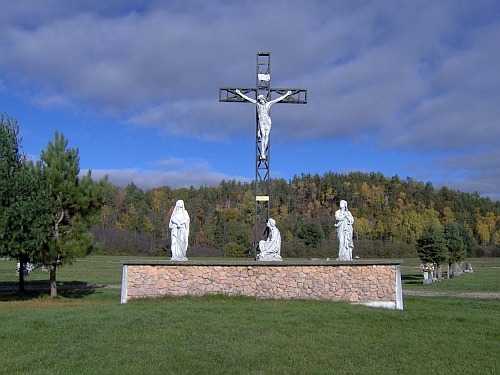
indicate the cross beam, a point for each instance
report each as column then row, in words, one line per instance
column 262, row 168
column 228, row 94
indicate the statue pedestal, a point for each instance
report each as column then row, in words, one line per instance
column 374, row 283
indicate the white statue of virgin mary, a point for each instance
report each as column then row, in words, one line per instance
column 179, row 231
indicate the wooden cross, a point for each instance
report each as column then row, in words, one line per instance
column 263, row 101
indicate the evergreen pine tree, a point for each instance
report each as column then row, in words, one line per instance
column 311, row 233
column 76, row 204
column 431, row 245
column 468, row 240
column 25, row 221
column 454, row 242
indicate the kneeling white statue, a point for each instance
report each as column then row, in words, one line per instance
column 270, row 249
column 179, row 234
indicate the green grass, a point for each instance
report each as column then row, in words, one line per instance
column 223, row 335
column 486, row 277
column 87, row 331
column 103, row 270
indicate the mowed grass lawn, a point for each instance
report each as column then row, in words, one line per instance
column 87, row 331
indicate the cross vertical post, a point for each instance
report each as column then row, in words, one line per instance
column 262, row 168
column 262, row 144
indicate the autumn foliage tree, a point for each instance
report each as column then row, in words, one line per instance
column 390, row 215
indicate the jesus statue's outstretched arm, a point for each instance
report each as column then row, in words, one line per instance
column 280, row 98
column 246, row 97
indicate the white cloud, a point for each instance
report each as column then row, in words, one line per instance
column 148, row 179
column 399, row 70
column 420, row 76
column 175, row 173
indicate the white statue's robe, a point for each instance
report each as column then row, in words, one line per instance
column 271, row 248
column 344, row 233
column 179, row 232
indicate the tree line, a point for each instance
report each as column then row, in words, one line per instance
column 390, row 216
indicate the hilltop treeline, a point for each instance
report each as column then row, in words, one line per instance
column 389, row 213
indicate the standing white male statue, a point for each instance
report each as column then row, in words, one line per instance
column 179, row 231
column 344, row 231
column 270, row 249
column 263, row 112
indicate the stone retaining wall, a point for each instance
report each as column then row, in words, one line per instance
column 375, row 283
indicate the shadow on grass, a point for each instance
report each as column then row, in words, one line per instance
column 41, row 289
column 412, row 279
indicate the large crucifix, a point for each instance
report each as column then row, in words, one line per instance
column 263, row 101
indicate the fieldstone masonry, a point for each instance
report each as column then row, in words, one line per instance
column 374, row 283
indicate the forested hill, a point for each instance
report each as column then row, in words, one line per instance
column 389, row 213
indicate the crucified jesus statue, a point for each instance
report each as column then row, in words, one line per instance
column 263, row 112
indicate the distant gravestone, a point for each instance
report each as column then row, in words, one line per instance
column 427, row 278
column 428, row 272
column 458, row 269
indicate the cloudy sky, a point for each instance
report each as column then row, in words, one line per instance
column 399, row 87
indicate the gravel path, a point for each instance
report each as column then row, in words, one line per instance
column 425, row 293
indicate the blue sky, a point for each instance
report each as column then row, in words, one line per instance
column 409, row 88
